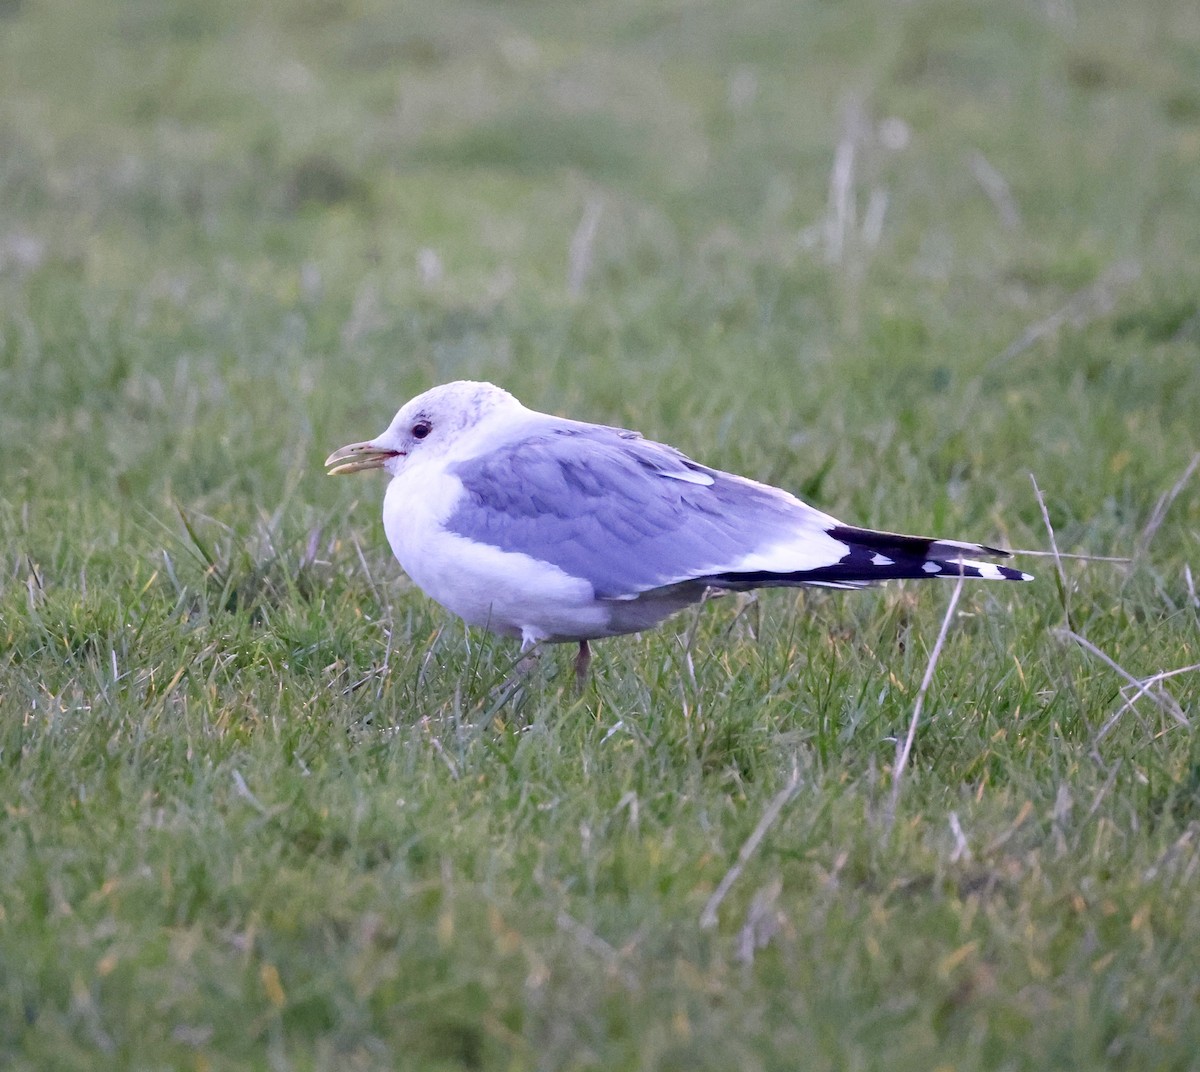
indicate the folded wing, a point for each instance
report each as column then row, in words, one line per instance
column 630, row 515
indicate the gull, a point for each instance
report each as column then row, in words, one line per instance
column 548, row 529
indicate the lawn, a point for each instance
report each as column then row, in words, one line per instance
column 933, row 265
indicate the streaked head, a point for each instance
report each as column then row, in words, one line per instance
column 430, row 423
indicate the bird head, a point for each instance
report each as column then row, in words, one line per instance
column 430, row 424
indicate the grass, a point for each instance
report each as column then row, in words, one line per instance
column 263, row 808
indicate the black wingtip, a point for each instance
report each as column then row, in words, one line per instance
column 873, row 557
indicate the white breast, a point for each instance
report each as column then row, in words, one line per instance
column 510, row 593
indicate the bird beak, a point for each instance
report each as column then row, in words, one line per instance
column 356, row 457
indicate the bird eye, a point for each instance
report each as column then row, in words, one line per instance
column 421, row 429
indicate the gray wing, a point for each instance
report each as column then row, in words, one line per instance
column 624, row 513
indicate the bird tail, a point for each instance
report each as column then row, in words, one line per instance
column 872, row 557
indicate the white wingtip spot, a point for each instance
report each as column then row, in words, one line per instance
column 931, row 567
column 882, row 560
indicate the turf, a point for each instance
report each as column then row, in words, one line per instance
column 268, row 807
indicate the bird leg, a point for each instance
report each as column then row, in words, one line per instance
column 582, row 661
column 526, row 664
column 530, row 654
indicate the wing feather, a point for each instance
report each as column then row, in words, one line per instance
column 625, row 513
column 629, row 515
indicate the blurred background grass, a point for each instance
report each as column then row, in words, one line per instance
column 262, row 810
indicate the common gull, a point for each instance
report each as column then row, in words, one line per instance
column 549, row 529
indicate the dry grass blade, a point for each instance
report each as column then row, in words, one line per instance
column 243, row 791
column 997, row 189
column 904, row 747
column 841, row 216
column 1159, row 513
column 839, row 221
column 1081, row 308
column 1142, row 688
column 1165, row 702
column 1162, row 675
column 708, row 918
column 583, row 241
column 591, row 941
column 1118, row 559
column 1063, row 590
column 962, row 848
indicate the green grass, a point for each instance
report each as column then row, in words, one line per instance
column 262, row 806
